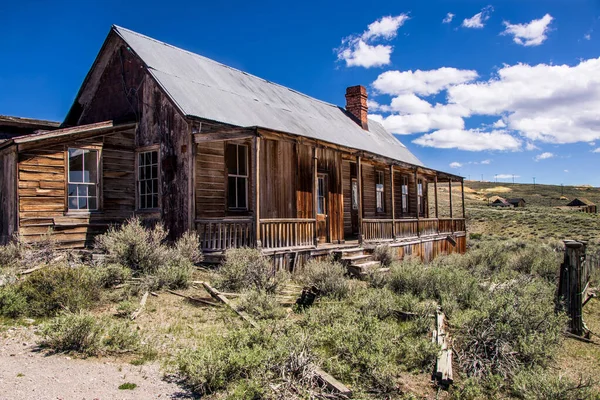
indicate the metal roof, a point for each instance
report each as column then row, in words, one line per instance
column 204, row 88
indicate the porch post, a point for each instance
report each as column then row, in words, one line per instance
column 257, row 191
column 360, row 200
column 451, row 217
column 462, row 191
column 393, row 202
column 435, row 195
column 315, row 193
column 418, row 202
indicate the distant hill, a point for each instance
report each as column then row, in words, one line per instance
column 538, row 195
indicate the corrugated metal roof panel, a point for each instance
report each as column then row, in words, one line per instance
column 207, row 89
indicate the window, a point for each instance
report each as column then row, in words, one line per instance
column 321, row 203
column 379, row 192
column 236, row 158
column 83, row 179
column 148, row 180
column 420, row 201
column 354, row 194
column 404, row 195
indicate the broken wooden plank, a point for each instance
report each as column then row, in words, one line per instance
column 193, row 299
column 135, row 314
column 443, row 370
column 214, row 293
column 332, row 383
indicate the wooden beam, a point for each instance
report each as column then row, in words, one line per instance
column 257, row 238
column 462, row 192
column 214, row 293
column 360, row 199
column 393, row 202
column 417, row 195
column 436, row 197
column 229, row 134
column 450, row 194
column 315, row 193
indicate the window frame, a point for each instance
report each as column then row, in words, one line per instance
column 322, row 178
column 404, row 195
column 138, row 151
column 98, row 183
column 420, row 197
column 380, row 191
column 237, row 176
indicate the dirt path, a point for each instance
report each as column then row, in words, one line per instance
column 26, row 373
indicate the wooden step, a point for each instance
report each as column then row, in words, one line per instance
column 357, row 259
column 354, row 251
column 363, row 269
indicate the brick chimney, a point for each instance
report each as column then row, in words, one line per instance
column 356, row 104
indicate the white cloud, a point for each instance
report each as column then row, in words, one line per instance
column 477, row 20
column 412, row 123
column 361, row 51
column 596, row 151
column 506, row 176
column 566, row 170
column 486, row 162
column 530, row 146
column 448, row 18
column 470, row 140
column 455, row 164
column 362, row 54
column 531, row 34
column 592, row 143
column 544, row 156
column 549, row 103
column 587, row 36
column 422, row 82
column 386, row 27
column 499, row 124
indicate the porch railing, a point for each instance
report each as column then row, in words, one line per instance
column 381, row 229
column 287, row 232
column 222, row 233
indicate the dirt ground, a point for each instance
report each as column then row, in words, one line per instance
column 28, row 373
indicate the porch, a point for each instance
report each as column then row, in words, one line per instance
column 256, row 188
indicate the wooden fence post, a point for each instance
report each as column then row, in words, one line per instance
column 572, row 283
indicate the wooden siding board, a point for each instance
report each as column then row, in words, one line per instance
column 8, row 195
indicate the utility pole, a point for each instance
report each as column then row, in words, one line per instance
column 513, row 179
column 481, row 177
column 496, row 178
column 534, row 182
column 562, row 190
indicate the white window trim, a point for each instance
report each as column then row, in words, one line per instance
column 246, row 177
column 98, row 182
column 138, row 151
column 380, row 190
column 404, row 190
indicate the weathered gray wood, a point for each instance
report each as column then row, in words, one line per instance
column 193, row 299
column 444, row 361
column 214, row 293
column 136, row 313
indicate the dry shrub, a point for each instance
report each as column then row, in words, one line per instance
column 21, row 254
column 327, row 276
column 145, row 252
column 60, row 287
column 385, row 255
column 261, row 305
column 533, row 384
column 13, row 303
column 248, row 269
column 89, row 335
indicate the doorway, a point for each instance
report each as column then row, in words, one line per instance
column 322, row 211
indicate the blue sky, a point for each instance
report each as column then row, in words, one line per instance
column 504, row 88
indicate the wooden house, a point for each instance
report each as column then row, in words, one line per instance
column 14, row 126
column 516, row 202
column 500, row 202
column 584, row 205
column 166, row 134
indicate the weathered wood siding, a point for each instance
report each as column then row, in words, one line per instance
column 369, row 179
column 8, row 191
column 304, row 182
column 330, row 161
column 347, row 192
column 42, row 190
column 278, row 162
column 210, row 180
column 427, row 250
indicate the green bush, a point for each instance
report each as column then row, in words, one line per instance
column 135, row 246
column 533, row 384
column 110, row 275
column 515, row 326
column 261, row 305
column 327, row 276
column 175, row 273
column 60, row 287
column 385, row 254
column 13, row 303
column 245, row 269
column 188, row 246
column 87, row 334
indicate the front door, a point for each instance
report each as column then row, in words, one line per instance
column 322, row 217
